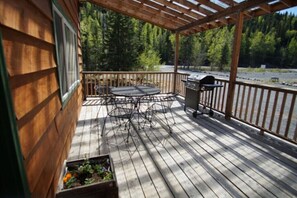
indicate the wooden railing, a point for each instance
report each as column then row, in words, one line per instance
column 270, row 109
column 163, row 80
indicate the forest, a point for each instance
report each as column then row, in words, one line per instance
column 114, row 42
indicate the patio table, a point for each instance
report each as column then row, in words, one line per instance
column 137, row 93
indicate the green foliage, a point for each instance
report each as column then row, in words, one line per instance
column 218, row 51
column 108, row 176
column 115, row 42
column 85, row 168
column 120, row 42
column 89, row 181
column 292, row 52
column 70, row 182
column 87, row 173
column 99, row 169
column 149, row 59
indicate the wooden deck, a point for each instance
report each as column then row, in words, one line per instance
column 203, row 157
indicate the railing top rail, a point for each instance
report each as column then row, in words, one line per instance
column 263, row 86
column 126, row 72
column 132, row 72
column 271, row 87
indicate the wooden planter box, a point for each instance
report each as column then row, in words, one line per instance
column 99, row 189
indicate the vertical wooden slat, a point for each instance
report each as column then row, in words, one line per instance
column 176, row 60
column 91, row 86
column 259, row 106
column 223, row 99
column 215, row 97
column 290, row 115
column 164, row 83
column 120, row 80
column 273, row 110
column 158, row 77
column 281, row 113
column 295, row 134
column 242, row 101
column 85, row 93
column 266, row 108
column 205, row 98
column 253, row 104
column 209, row 98
column 237, row 99
column 220, row 97
column 170, row 87
column 247, row 103
column 202, row 98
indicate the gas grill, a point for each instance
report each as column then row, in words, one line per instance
column 195, row 84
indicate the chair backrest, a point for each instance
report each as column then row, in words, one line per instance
column 102, row 90
column 118, row 106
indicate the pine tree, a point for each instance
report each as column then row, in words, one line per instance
column 121, row 52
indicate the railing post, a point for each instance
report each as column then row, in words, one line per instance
column 175, row 60
column 234, row 63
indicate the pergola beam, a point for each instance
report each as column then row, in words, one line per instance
column 237, row 8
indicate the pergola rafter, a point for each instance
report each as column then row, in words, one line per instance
column 192, row 16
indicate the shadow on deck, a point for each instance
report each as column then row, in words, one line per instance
column 203, row 157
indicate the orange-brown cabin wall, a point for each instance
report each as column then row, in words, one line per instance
column 45, row 128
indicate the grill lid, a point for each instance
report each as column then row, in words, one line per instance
column 202, row 79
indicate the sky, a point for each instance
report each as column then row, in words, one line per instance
column 290, row 10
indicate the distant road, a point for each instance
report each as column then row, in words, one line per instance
column 286, row 79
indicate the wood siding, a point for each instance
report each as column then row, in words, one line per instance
column 45, row 127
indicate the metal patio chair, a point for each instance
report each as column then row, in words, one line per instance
column 120, row 110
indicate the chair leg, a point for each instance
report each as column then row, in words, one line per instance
column 172, row 116
column 103, row 126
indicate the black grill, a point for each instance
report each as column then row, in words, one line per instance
column 194, row 86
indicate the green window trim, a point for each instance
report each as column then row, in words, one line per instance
column 66, row 54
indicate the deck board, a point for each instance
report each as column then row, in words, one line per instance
column 203, row 157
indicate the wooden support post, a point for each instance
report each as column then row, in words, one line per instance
column 234, row 63
column 175, row 60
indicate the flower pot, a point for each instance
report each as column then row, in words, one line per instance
column 84, row 171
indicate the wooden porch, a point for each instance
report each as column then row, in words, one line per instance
column 203, row 157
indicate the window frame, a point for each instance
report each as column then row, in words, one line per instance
column 66, row 89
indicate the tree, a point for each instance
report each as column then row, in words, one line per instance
column 257, row 47
column 199, row 50
column 186, row 50
column 149, row 60
column 114, row 42
column 218, row 52
column 292, row 53
column 121, row 51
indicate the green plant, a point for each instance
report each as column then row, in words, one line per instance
column 87, row 172
column 108, row 176
column 89, row 180
column 70, row 182
column 85, row 168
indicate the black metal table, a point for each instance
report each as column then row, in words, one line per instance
column 135, row 91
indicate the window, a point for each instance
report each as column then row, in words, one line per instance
column 66, row 49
